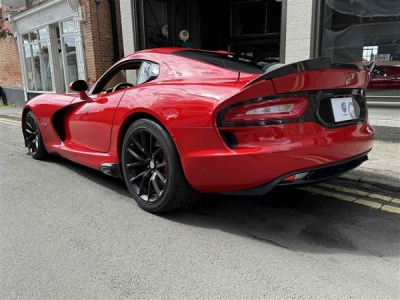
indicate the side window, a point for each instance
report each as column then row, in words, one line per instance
column 119, row 77
column 122, row 76
column 148, row 71
column 131, row 75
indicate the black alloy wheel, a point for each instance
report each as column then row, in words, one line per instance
column 33, row 137
column 152, row 169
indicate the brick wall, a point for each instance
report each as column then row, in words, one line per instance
column 96, row 36
column 10, row 68
column 298, row 30
column 33, row 3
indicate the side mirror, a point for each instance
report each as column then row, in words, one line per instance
column 80, row 86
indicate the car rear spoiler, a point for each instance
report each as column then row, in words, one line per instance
column 320, row 63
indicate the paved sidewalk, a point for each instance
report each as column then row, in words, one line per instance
column 381, row 170
column 10, row 112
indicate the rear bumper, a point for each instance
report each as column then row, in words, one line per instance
column 314, row 176
column 268, row 154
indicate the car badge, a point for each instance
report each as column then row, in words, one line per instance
column 350, row 78
column 344, row 107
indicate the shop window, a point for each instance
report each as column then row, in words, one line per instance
column 161, row 21
column 356, row 30
column 364, row 31
column 50, row 52
column 157, row 23
column 37, row 61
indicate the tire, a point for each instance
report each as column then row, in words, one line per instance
column 152, row 169
column 33, row 137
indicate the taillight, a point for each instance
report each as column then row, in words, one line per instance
column 265, row 109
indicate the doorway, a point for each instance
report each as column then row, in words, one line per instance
column 250, row 27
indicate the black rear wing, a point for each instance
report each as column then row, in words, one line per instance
column 320, row 63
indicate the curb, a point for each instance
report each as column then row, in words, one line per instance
column 382, row 182
column 10, row 117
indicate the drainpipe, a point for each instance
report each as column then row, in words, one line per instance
column 114, row 30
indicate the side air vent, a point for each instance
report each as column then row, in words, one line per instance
column 111, row 170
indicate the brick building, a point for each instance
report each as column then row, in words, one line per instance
column 10, row 67
column 54, row 42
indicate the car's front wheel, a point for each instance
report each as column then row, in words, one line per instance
column 33, row 137
column 152, row 168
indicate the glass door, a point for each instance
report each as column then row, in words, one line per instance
column 68, row 52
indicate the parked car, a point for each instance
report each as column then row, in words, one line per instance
column 385, row 77
column 174, row 123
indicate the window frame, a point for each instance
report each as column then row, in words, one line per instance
column 38, row 44
column 101, row 84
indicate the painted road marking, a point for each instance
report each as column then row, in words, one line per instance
column 357, row 192
column 10, row 122
column 359, row 197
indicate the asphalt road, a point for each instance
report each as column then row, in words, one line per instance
column 69, row 232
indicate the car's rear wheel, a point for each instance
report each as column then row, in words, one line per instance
column 33, row 137
column 152, row 169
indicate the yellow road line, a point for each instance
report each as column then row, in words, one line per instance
column 357, row 192
column 392, row 209
column 369, row 203
column 10, row 122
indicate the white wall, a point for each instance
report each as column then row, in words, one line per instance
column 382, row 116
column 127, row 26
column 298, row 30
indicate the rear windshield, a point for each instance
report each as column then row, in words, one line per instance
column 238, row 63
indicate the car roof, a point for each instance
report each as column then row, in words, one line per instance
column 167, row 50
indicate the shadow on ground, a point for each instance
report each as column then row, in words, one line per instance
column 288, row 218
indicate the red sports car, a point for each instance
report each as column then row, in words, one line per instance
column 175, row 123
column 385, row 77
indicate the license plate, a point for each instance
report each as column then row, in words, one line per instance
column 343, row 109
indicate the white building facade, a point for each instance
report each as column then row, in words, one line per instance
column 50, row 46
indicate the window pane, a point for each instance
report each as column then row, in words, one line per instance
column 156, row 18
column 29, row 71
column 131, row 76
column 67, row 26
column 25, row 38
column 45, row 67
column 33, row 36
column 36, row 68
column 367, row 31
column 72, row 66
column 43, row 34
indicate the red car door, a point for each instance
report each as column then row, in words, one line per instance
column 89, row 123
